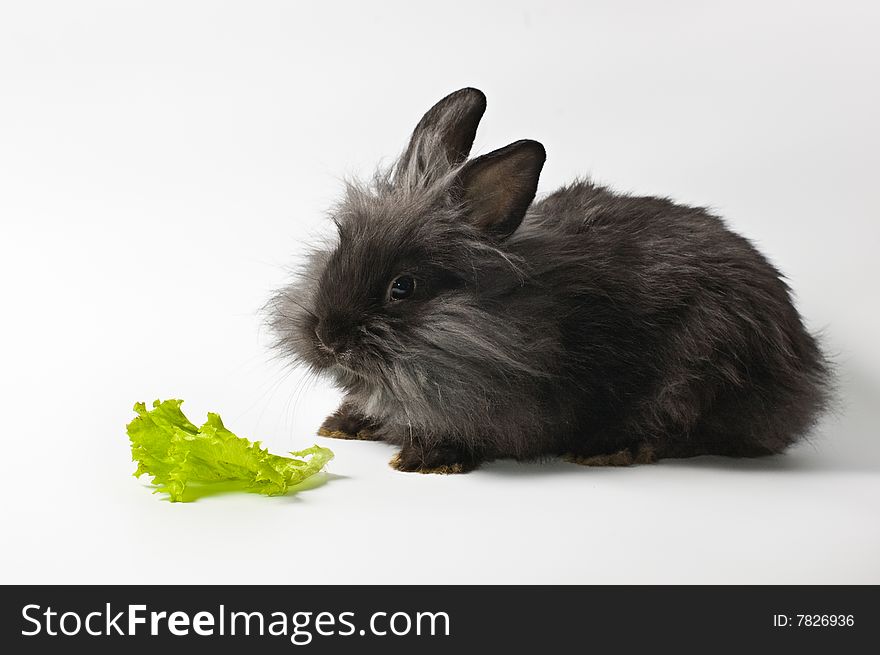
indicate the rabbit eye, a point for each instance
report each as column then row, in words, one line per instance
column 402, row 287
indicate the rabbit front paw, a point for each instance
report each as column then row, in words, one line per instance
column 348, row 423
column 443, row 460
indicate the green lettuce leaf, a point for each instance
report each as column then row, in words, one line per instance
column 181, row 457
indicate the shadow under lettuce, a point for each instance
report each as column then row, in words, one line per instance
column 197, row 491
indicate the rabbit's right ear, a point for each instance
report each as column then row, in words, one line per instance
column 445, row 134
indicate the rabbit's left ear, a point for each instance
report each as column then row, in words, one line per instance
column 497, row 188
column 445, row 134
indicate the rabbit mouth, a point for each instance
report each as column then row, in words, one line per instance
column 330, row 358
column 344, row 360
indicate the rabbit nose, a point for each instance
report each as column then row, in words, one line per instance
column 320, row 340
column 333, row 337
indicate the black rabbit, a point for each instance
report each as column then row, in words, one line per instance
column 466, row 323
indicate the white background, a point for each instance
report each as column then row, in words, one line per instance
column 162, row 163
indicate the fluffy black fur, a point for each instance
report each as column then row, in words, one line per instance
column 608, row 327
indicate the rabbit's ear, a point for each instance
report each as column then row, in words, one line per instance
column 446, row 133
column 497, row 188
